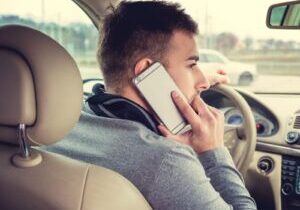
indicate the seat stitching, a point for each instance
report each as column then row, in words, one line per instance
column 84, row 186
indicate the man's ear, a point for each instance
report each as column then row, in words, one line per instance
column 141, row 65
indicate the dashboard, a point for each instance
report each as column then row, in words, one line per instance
column 264, row 126
column 267, row 123
column 273, row 178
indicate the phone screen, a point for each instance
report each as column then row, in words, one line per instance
column 156, row 85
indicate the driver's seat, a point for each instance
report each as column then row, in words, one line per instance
column 41, row 97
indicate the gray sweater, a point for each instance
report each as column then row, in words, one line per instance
column 170, row 175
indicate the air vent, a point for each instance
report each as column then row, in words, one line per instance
column 297, row 122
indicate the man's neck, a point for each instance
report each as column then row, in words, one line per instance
column 132, row 94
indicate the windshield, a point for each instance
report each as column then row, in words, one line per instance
column 260, row 59
column 63, row 21
column 233, row 37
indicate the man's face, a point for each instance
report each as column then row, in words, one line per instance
column 182, row 58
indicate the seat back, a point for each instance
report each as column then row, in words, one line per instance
column 41, row 97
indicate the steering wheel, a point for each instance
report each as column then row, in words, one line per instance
column 240, row 140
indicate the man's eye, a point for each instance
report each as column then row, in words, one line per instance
column 192, row 65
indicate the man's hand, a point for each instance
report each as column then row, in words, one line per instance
column 207, row 125
column 218, row 77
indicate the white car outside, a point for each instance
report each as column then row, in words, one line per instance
column 238, row 73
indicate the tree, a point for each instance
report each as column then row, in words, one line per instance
column 226, row 42
column 249, row 43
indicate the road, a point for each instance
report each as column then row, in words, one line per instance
column 275, row 83
column 264, row 83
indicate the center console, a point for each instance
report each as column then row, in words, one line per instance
column 290, row 183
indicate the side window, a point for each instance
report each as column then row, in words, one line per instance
column 63, row 21
column 214, row 58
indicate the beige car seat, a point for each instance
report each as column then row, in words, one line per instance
column 40, row 102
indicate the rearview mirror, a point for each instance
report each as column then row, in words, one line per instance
column 284, row 15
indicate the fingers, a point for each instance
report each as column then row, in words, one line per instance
column 220, row 77
column 182, row 138
column 207, row 112
column 221, row 71
column 185, row 109
column 164, row 131
column 217, row 113
column 199, row 106
column 194, row 113
column 213, row 110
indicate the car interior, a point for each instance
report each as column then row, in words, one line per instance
column 42, row 93
column 32, row 82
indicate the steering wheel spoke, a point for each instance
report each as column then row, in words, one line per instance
column 239, row 139
column 230, row 137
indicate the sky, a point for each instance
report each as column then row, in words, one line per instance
column 64, row 11
column 246, row 18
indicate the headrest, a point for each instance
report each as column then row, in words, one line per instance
column 40, row 86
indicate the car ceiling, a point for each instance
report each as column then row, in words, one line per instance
column 95, row 9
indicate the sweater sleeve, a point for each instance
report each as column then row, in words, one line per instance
column 225, row 178
column 181, row 183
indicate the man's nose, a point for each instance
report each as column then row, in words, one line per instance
column 202, row 82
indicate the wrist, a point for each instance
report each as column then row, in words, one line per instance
column 215, row 157
column 205, row 149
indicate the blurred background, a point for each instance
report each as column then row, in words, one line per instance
column 233, row 37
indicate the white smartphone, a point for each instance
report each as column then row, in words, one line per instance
column 156, row 85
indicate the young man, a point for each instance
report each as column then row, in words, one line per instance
column 118, row 130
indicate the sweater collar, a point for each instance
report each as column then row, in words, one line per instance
column 113, row 106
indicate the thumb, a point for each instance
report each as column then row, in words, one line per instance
column 221, row 71
column 164, row 131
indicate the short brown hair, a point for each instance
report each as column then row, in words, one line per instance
column 135, row 30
